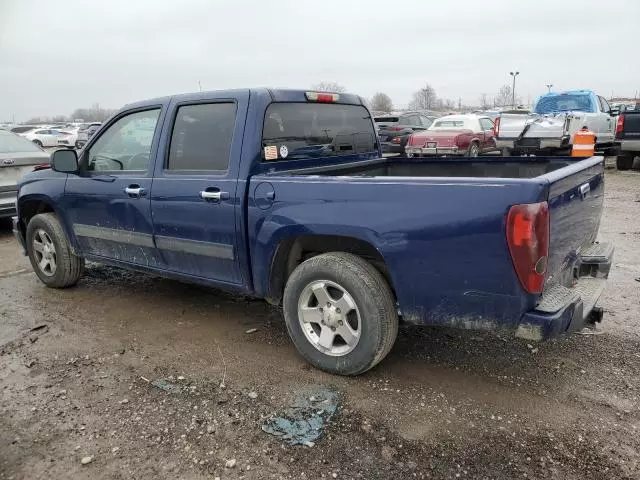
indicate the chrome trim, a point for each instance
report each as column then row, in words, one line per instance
column 195, row 247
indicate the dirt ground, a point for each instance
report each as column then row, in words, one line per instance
column 444, row 404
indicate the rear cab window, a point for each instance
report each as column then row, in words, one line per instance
column 295, row 131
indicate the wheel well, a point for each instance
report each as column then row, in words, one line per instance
column 28, row 209
column 292, row 252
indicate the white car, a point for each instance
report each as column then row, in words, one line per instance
column 44, row 137
column 68, row 138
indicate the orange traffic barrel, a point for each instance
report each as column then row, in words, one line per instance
column 584, row 143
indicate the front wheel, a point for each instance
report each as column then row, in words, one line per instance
column 50, row 252
column 340, row 313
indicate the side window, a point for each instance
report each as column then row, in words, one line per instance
column 486, row 124
column 201, row 137
column 426, row 122
column 604, row 105
column 125, row 145
column 414, row 121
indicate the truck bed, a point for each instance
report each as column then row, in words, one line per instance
column 482, row 167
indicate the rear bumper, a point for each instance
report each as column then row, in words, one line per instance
column 388, row 147
column 424, row 151
column 566, row 309
column 531, row 143
column 629, row 145
column 7, row 204
column 18, row 234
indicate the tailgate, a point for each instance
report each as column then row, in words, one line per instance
column 631, row 130
column 575, row 206
column 533, row 126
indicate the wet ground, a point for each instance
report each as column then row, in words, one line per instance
column 77, row 366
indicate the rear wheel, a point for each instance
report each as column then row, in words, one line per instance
column 340, row 313
column 38, row 142
column 624, row 162
column 50, row 252
column 474, row 150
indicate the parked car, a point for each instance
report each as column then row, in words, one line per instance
column 44, row 137
column 68, row 137
column 555, row 119
column 468, row 135
column 394, row 131
column 24, row 128
column 628, row 136
column 85, row 133
column 284, row 195
column 17, row 157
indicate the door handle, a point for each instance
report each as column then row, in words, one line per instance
column 214, row 195
column 135, row 191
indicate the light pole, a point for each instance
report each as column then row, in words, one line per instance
column 513, row 89
column 549, row 86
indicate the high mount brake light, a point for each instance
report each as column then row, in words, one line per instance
column 322, row 97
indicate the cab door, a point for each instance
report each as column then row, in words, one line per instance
column 195, row 198
column 107, row 203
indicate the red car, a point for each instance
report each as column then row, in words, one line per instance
column 468, row 135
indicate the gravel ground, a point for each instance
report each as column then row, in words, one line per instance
column 76, row 398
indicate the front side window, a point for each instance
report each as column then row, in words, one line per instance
column 201, row 138
column 294, row 131
column 125, row 145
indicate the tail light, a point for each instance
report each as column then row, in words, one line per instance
column 42, row 166
column 528, row 240
column 620, row 125
column 396, row 140
column 496, row 127
column 395, row 129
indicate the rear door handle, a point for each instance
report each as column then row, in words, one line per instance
column 135, row 191
column 214, row 195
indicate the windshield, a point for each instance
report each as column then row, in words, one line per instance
column 294, row 131
column 564, row 103
column 10, row 143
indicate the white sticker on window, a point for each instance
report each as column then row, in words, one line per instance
column 284, row 151
column 271, row 152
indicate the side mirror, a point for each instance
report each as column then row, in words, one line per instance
column 64, row 161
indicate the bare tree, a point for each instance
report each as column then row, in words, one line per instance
column 332, row 87
column 484, row 101
column 503, row 98
column 424, row 99
column 381, row 102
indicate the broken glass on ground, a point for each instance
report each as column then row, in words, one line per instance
column 304, row 421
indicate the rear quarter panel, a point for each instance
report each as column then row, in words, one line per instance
column 443, row 240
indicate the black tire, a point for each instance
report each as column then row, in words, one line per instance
column 372, row 297
column 68, row 267
column 474, row 150
column 624, row 162
column 38, row 143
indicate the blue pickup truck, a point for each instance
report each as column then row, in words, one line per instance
column 284, row 195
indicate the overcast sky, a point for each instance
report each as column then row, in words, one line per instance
column 56, row 56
